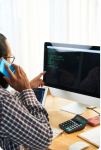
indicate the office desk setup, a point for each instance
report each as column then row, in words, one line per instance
column 57, row 116
column 72, row 73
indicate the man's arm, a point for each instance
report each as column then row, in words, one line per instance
column 24, row 121
column 31, row 131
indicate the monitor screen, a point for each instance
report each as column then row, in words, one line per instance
column 74, row 68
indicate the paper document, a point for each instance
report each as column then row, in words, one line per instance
column 92, row 136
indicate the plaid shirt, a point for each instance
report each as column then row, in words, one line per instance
column 23, row 121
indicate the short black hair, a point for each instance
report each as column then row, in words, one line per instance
column 3, row 52
column 3, row 47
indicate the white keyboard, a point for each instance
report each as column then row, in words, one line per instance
column 56, row 131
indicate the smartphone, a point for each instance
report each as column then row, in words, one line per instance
column 3, row 69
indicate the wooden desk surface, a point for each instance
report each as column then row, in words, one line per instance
column 57, row 116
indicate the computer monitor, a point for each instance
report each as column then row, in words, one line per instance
column 73, row 73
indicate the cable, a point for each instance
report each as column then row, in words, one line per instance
column 93, row 109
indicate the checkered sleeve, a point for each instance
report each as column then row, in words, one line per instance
column 24, row 121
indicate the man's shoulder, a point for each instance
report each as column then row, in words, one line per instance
column 8, row 98
column 4, row 92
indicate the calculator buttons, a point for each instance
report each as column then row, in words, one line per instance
column 74, row 124
column 81, row 125
column 67, row 128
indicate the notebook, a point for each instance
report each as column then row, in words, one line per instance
column 92, row 136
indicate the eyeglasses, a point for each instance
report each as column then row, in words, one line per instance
column 11, row 58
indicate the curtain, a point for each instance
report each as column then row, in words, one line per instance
column 27, row 24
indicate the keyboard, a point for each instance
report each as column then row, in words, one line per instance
column 56, row 131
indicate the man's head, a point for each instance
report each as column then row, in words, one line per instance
column 5, row 50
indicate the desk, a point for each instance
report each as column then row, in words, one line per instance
column 57, row 116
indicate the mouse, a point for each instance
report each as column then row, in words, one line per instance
column 78, row 146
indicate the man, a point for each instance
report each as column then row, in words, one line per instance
column 23, row 120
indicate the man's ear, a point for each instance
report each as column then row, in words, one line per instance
column 1, row 58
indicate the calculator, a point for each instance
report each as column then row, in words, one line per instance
column 75, row 124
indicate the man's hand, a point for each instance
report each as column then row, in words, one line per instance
column 36, row 82
column 19, row 80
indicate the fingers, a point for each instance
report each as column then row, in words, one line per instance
column 1, row 59
column 42, row 73
column 8, row 80
column 18, row 70
column 41, row 82
column 9, row 71
column 15, row 66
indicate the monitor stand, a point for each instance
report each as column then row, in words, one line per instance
column 75, row 107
